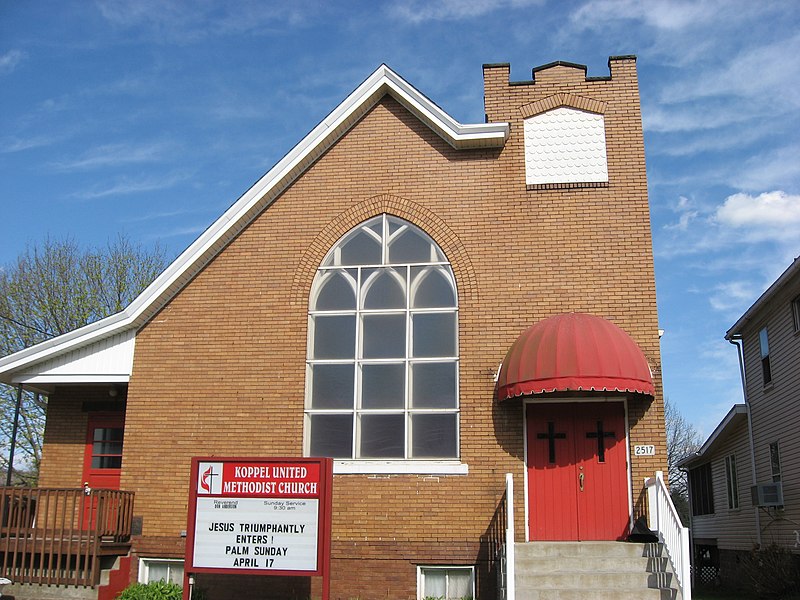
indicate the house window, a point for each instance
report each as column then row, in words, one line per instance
column 775, row 461
column 764, row 343
column 702, row 490
column 731, row 482
column 107, row 448
column 382, row 356
column 161, row 569
column 796, row 313
column 446, row 583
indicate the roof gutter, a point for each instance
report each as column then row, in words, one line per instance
column 736, row 340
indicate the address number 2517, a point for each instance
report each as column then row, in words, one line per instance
column 644, row 450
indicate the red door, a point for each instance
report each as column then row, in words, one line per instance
column 102, row 460
column 577, row 471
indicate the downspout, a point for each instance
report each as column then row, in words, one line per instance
column 736, row 340
column 13, row 445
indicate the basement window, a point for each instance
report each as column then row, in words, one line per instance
column 169, row 570
column 446, row 583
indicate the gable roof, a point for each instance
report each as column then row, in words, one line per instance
column 381, row 82
column 736, row 415
column 792, row 271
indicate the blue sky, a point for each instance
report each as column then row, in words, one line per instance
column 151, row 117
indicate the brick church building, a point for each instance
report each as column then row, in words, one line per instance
column 432, row 304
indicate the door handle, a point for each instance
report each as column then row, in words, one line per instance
column 580, row 479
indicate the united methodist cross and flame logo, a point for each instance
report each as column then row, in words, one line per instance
column 209, row 481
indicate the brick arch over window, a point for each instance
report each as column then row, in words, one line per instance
column 562, row 99
column 408, row 210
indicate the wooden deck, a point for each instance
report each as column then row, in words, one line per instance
column 55, row 536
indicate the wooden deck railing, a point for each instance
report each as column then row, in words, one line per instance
column 54, row 536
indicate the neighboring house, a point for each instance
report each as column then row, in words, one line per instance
column 356, row 303
column 735, row 506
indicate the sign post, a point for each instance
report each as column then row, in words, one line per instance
column 259, row 516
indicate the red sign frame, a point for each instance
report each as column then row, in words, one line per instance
column 251, row 477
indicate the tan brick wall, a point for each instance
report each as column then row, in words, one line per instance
column 221, row 369
column 65, row 432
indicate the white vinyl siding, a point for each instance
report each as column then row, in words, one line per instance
column 776, row 409
column 732, row 528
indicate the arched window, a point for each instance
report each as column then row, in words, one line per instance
column 382, row 368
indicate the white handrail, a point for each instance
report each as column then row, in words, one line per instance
column 510, row 570
column 665, row 521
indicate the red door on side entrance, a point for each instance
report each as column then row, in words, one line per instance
column 577, row 471
column 102, row 460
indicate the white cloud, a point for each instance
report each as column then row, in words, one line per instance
column 416, row 11
column 159, row 215
column 667, row 118
column 18, row 144
column 755, row 72
column 700, row 141
column 169, row 20
column 762, row 228
column 132, row 186
column 687, row 213
column 771, row 216
column 731, row 296
column 660, row 14
column 10, row 60
column 181, row 231
column 775, row 167
column 109, row 155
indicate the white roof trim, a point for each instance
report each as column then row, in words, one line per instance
column 383, row 81
column 736, row 412
column 790, row 272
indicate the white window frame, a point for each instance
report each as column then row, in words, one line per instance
column 421, row 576
column 731, row 481
column 796, row 314
column 407, row 463
column 145, row 563
column 766, row 365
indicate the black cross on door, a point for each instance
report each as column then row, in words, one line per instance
column 600, row 434
column 551, row 436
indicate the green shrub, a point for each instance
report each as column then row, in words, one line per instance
column 156, row 590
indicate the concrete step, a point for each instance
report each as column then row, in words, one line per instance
column 609, row 549
column 554, row 564
column 595, row 594
column 589, row 579
column 566, row 570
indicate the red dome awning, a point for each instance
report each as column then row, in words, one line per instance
column 574, row 352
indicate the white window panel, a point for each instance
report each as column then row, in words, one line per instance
column 565, row 145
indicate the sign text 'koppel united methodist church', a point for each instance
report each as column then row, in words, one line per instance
column 267, row 516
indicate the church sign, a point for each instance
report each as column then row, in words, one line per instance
column 259, row 516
